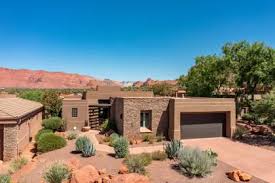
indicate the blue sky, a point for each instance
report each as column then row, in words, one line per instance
column 127, row 39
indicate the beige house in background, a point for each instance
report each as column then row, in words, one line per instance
column 138, row 112
column 20, row 120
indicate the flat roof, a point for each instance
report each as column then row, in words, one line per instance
column 16, row 108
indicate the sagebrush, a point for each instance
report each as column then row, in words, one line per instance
column 194, row 162
column 5, row 179
column 57, row 173
column 17, row 164
column 121, row 147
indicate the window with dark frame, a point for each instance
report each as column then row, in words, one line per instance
column 145, row 119
column 74, row 112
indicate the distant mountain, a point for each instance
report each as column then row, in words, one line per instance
column 151, row 82
column 24, row 78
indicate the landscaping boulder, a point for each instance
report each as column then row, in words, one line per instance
column 130, row 178
column 123, row 170
column 245, row 177
column 238, row 176
column 102, row 171
column 265, row 130
column 86, row 174
column 233, row 176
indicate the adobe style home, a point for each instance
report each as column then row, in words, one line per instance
column 137, row 112
column 20, row 120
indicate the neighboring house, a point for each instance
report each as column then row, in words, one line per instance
column 20, row 120
column 136, row 113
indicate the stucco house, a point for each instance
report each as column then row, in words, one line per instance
column 20, row 120
column 136, row 113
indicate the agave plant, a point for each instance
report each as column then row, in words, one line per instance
column 88, row 149
column 172, row 148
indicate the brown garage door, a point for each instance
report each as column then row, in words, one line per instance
column 202, row 125
column 1, row 142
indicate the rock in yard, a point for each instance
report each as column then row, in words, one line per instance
column 123, row 169
column 106, row 179
column 245, row 177
column 233, row 176
column 86, row 174
column 102, row 171
column 130, row 178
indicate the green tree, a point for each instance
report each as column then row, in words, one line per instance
column 252, row 64
column 207, row 76
column 264, row 109
column 34, row 95
column 181, row 82
column 52, row 103
column 163, row 89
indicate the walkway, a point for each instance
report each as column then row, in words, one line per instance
column 254, row 160
column 105, row 148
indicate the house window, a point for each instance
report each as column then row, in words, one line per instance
column 74, row 112
column 145, row 119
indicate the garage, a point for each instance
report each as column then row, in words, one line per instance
column 1, row 142
column 202, row 125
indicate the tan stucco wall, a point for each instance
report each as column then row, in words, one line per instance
column 79, row 121
column 177, row 106
column 117, row 114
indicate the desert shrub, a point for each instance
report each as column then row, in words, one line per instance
column 17, row 164
column 121, row 147
column 80, row 142
column 106, row 139
column 88, row 149
column 264, row 109
column 42, row 131
column 148, row 138
column 159, row 156
column 172, row 148
column 194, row 162
column 49, row 142
column 107, row 125
column 146, row 158
column 5, row 179
column 113, row 138
column 57, row 173
column 248, row 117
column 137, row 163
column 213, row 155
column 53, row 123
column 72, row 135
column 160, row 138
column 239, row 133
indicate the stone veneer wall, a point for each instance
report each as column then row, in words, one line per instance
column 131, row 115
column 10, row 142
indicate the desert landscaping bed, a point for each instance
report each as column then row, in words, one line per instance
column 158, row 171
column 138, row 143
column 257, row 135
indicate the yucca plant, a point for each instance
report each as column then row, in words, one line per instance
column 88, row 149
column 79, row 144
column 172, row 148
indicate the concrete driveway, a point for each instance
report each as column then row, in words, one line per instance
column 254, row 160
